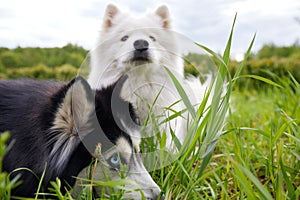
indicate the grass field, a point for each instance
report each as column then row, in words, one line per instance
column 255, row 155
column 259, row 158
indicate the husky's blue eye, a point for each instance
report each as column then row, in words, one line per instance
column 114, row 161
column 124, row 38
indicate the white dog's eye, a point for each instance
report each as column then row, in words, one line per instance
column 124, row 38
column 152, row 38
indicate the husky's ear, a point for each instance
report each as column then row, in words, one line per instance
column 163, row 12
column 111, row 12
column 75, row 108
column 75, row 105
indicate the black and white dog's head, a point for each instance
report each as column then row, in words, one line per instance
column 62, row 126
column 107, row 126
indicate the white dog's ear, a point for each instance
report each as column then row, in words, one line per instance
column 163, row 12
column 111, row 12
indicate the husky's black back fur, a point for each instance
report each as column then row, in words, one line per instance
column 28, row 109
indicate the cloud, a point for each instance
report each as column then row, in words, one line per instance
column 56, row 23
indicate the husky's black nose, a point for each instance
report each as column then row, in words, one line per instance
column 141, row 45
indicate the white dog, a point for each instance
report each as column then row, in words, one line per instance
column 142, row 47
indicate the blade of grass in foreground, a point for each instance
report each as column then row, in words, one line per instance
column 182, row 93
column 260, row 78
column 206, row 131
column 289, row 184
column 243, row 175
column 219, row 105
column 238, row 72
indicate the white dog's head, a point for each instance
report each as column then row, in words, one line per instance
column 126, row 41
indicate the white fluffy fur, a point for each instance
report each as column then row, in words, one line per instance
column 111, row 58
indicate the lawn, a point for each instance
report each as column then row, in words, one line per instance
column 257, row 157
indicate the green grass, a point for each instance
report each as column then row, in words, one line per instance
column 260, row 156
column 255, row 154
column 257, row 159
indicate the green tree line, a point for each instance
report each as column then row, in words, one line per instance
column 41, row 63
column 63, row 63
column 271, row 61
column 51, row 57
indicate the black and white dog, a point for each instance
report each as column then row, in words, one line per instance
column 55, row 127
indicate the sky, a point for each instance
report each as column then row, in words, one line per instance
column 54, row 23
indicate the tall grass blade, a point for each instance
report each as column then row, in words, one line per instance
column 292, row 137
column 182, row 93
column 261, row 79
column 219, row 105
column 239, row 70
column 226, row 55
column 294, row 80
column 217, row 56
column 264, row 194
column 40, row 182
column 243, row 181
column 289, row 185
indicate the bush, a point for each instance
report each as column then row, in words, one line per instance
column 271, row 68
column 271, row 50
column 270, row 62
column 65, row 72
column 51, row 57
column 10, row 59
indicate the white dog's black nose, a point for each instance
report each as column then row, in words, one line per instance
column 141, row 45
